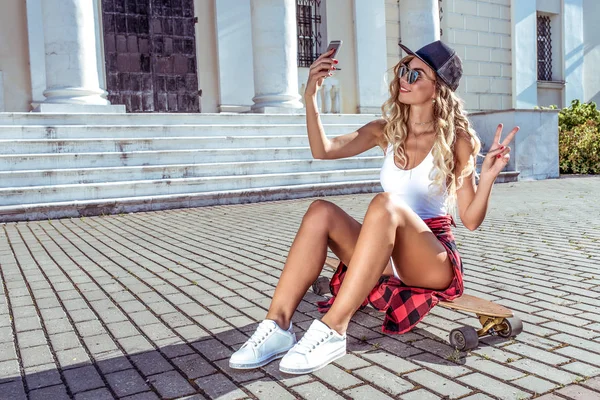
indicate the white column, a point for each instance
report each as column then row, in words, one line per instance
column 524, row 53
column 371, row 55
column 574, row 50
column 274, row 45
column 72, row 80
column 234, row 52
column 1, row 92
column 419, row 22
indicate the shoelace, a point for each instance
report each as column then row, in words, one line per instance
column 311, row 340
column 262, row 331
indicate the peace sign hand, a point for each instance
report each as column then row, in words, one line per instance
column 498, row 155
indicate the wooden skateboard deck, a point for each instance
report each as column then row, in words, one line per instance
column 494, row 318
column 477, row 305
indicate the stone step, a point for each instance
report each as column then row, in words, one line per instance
column 77, row 209
column 37, row 146
column 135, row 119
column 47, row 177
column 19, row 162
column 65, row 132
column 111, row 190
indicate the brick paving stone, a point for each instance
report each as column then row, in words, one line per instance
column 99, row 344
column 42, row 376
column 97, row 394
column 350, row 362
column 64, row 341
column 36, row 355
column 12, row 391
column 9, row 370
column 90, row 328
column 218, row 386
column 150, row 363
column 212, row 349
column 392, row 362
column 122, row 329
column 549, row 397
column 438, row 384
column 494, row 369
column 582, row 369
column 135, row 344
column 316, row 391
column 112, row 362
column 58, row 392
column 536, row 354
column 534, row 384
column 285, row 379
column 268, row 389
column 174, row 347
column 336, row 377
column 367, row 392
column 593, row 384
column 72, row 357
column 419, row 394
column 579, row 354
column 171, row 384
column 478, row 396
column 7, row 351
column 141, row 396
column 440, row 365
column 546, row 371
column 82, row 379
column 386, row 380
column 126, row 382
column 578, row 392
column 494, row 387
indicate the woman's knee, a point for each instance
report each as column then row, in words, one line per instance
column 387, row 207
column 319, row 212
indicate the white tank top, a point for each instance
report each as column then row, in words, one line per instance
column 413, row 186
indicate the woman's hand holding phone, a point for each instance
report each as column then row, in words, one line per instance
column 319, row 70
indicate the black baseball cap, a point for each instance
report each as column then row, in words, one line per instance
column 442, row 59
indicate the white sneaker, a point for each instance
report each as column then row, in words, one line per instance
column 268, row 343
column 319, row 346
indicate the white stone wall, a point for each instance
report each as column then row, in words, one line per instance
column 591, row 63
column 1, row 92
column 480, row 31
column 392, row 27
column 14, row 57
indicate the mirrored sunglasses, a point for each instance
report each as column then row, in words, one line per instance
column 411, row 74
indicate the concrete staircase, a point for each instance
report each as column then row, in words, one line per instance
column 71, row 165
column 54, row 165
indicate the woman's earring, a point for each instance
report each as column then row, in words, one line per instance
column 433, row 101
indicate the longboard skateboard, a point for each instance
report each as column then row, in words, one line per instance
column 494, row 318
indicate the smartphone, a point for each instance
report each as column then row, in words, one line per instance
column 334, row 44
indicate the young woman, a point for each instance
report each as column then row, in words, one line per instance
column 403, row 257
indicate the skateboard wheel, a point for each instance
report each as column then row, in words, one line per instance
column 510, row 327
column 321, row 285
column 464, row 338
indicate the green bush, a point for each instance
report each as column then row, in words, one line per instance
column 579, row 138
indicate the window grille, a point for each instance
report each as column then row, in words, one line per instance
column 308, row 21
column 544, row 48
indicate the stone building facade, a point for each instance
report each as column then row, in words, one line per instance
column 244, row 55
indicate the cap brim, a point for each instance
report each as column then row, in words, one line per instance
column 412, row 53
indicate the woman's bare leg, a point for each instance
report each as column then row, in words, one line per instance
column 324, row 224
column 389, row 228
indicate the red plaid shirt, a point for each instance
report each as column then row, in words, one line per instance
column 405, row 306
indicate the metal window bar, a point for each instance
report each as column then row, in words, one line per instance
column 308, row 21
column 544, row 48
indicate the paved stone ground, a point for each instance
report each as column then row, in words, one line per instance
column 151, row 305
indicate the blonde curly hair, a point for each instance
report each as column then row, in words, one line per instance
column 449, row 122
